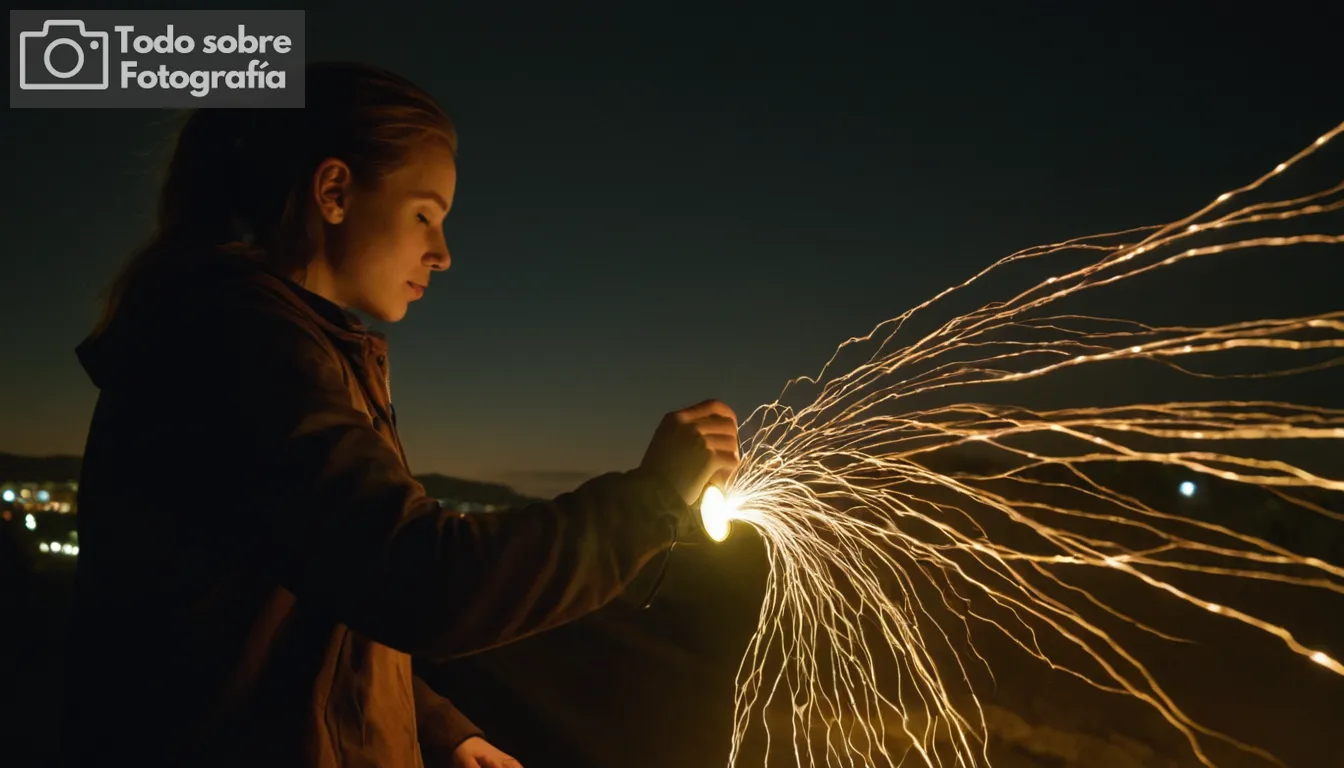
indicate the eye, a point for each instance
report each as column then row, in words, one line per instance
column 421, row 218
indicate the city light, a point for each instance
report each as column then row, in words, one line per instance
column 8, row 495
column 43, row 496
column 30, row 522
column 1187, row 489
column 57, row 548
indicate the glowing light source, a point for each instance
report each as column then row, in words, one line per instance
column 1187, row 489
column 43, row 496
column 716, row 513
column 8, row 495
column 30, row 522
column 43, row 547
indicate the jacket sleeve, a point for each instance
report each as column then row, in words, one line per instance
column 345, row 527
column 440, row 725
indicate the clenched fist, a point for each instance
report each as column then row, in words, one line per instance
column 694, row 447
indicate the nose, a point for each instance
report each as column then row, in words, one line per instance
column 438, row 257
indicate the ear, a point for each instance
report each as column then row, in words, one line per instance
column 332, row 183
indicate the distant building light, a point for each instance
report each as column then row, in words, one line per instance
column 30, row 522
column 43, row 546
column 1187, row 489
column 67, row 549
column 43, row 496
column 8, row 495
column 74, row 550
column 55, row 546
column 25, row 493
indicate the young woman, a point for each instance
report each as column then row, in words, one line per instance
column 257, row 565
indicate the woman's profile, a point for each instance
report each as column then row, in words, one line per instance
column 258, row 566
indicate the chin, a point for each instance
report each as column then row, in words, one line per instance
column 388, row 313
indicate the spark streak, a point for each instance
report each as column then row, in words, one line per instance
column 884, row 562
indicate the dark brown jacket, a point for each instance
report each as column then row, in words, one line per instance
column 257, row 565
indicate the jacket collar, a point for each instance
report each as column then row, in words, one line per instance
column 337, row 321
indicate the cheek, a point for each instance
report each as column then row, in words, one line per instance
column 381, row 250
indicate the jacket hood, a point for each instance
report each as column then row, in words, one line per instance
column 145, row 321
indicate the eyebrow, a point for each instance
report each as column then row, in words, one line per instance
column 431, row 195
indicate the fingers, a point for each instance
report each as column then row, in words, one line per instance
column 719, row 425
column 722, row 444
column 708, row 408
column 721, row 479
column 721, row 469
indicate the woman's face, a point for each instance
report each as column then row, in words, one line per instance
column 382, row 240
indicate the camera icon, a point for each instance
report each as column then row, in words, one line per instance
column 37, row 70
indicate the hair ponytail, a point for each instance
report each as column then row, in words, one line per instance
column 244, row 174
column 200, row 191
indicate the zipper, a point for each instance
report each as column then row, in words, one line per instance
column 387, row 382
column 392, row 409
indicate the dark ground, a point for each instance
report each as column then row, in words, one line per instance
column 655, row 688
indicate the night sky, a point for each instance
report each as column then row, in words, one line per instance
column 657, row 207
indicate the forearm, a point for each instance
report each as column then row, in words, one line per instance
column 440, row 726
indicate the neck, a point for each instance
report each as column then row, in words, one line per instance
column 317, row 278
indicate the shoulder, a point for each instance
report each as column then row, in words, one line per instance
column 229, row 297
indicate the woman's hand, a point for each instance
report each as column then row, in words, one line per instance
column 476, row 752
column 694, row 447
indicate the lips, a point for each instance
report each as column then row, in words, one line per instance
column 417, row 288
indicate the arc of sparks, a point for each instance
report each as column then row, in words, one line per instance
column 883, row 567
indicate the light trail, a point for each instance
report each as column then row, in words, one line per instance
column 884, row 564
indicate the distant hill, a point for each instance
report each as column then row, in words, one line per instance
column 443, row 487
column 57, row 469
column 14, row 468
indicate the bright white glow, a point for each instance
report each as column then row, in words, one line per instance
column 1187, row 489
column 43, row 496
column 74, row 550
column 1321, row 658
column 30, row 522
column 43, row 546
column 716, row 513
column 8, row 495
column 66, row 549
column 55, row 546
